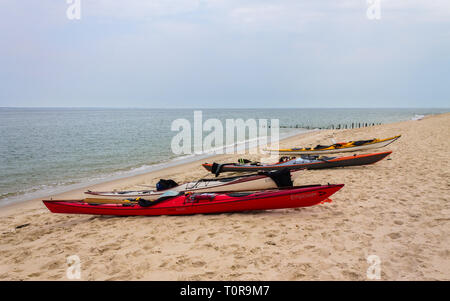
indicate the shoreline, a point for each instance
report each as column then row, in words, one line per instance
column 52, row 173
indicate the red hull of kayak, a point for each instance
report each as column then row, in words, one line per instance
column 181, row 205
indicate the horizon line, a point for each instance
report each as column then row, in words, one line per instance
column 212, row 108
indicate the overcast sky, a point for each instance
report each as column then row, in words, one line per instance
column 225, row 53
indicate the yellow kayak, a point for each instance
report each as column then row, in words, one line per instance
column 350, row 146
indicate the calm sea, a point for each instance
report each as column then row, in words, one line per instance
column 49, row 150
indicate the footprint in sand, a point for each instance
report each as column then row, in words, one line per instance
column 34, row 275
column 198, row 264
column 394, row 235
column 53, row 265
column 351, row 275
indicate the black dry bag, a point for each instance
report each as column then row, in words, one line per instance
column 165, row 184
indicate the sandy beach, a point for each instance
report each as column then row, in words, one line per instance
column 397, row 209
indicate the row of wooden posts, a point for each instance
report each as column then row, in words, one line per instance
column 340, row 126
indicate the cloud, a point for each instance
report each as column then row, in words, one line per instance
column 137, row 9
column 200, row 50
column 260, row 13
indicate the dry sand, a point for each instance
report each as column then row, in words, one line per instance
column 397, row 209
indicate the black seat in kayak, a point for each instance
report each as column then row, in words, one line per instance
column 147, row 203
column 362, row 142
column 321, row 146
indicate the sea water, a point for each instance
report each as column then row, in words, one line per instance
column 50, row 150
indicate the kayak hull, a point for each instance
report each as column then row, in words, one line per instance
column 374, row 145
column 355, row 160
column 221, row 203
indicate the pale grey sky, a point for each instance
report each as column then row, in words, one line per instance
column 225, row 53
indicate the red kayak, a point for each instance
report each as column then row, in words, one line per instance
column 184, row 204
